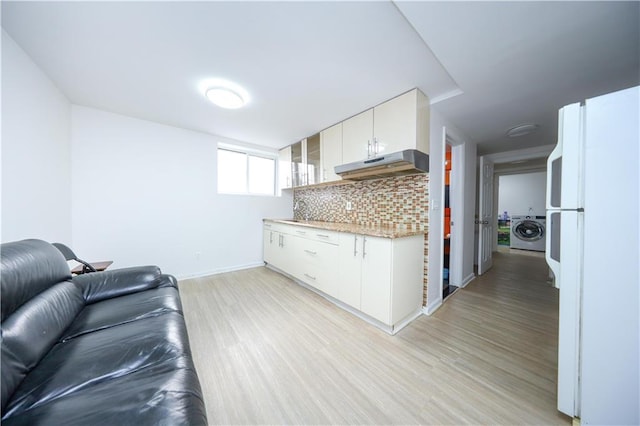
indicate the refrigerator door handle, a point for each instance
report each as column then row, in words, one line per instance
column 554, row 174
column 552, row 244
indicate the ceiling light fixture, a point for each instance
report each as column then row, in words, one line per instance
column 521, row 130
column 225, row 98
column 224, row 93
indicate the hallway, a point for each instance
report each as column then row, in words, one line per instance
column 270, row 351
column 506, row 328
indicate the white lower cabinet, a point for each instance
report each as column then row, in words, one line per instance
column 315, row 264
column 277, row 242
column 350, row 268
column 380, row 277
column 376, row 278
column 269, row 244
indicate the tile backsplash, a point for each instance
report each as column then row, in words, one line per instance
column 395, row 202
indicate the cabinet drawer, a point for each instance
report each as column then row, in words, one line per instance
column 322, row 278
column 317, row 253
column 315, row 234
column 281, row 227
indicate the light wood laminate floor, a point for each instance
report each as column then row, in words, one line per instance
column 271, row 352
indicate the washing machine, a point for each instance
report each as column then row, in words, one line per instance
column 528, row 232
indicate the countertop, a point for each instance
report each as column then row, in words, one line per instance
column 373, row 231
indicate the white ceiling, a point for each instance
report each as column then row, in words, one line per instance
column 307, row 65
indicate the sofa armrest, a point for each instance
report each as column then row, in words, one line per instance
column 99, row 286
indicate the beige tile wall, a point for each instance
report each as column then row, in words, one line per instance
column 396, row 201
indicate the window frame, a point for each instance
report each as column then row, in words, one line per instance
column 248, row 152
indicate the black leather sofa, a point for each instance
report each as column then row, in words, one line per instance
column 105, row 348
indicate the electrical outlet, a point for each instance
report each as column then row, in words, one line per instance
column 348, row 205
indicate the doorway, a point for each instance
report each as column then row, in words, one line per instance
column 448, row 287
column 521, row 162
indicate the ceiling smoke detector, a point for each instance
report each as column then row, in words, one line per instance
column 521, row 130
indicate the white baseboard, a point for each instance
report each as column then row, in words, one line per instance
column 468, row 279
column 406, row 321
column 432, row 307
column 219, row 271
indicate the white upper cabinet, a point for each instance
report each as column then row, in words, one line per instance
column 299, row 163
column 395, row 125
column 284, row 168
column 313, row 160
column 357, row 137
column 398, row 124
column 331, row 152
column 401, row 123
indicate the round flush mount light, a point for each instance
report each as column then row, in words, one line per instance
column 521, row 130
column 225, row 98
column 224, row 93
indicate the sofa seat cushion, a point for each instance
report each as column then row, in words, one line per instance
column 79, row 364
column 159, row 395
column 124, row 309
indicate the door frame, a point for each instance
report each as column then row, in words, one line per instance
column 507, row 157
column 460, row 158
column 456, row 200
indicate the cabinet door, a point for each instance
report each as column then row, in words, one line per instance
column 376, row 278
column 357, row 135
column 331, row 152
column 350, row 269
column 284, row 168
column 394, row 124
column 298, row 166
column 313, row 160
column 270, row 243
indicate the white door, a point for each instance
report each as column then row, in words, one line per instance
column 486, row 219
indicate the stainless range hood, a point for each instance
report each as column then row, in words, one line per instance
column 407, row 162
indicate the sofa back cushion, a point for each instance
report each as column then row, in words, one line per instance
column 28, row 267
column 37, row 306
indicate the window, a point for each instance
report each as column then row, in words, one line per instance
column 245, row 172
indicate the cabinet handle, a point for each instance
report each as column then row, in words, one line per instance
column 364, row 244
column 355, row 245
column 309, row 276
column 368, row 149
column 375, row 146
column 322, row 235
column 281, row 242
column 301, row 232
column 311, row 252
column 271, row 237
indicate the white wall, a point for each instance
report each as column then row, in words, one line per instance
column 36, row 153
column 522, row 194
column 145, row 193
column 438, row 126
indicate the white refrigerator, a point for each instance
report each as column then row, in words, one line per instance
column 592, row 248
